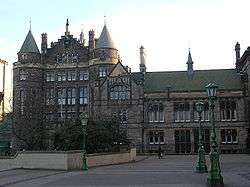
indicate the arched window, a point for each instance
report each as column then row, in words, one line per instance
column 119, row 93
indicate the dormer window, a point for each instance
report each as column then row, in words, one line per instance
column 24, row 56
column 59, row 59
column 102, row 72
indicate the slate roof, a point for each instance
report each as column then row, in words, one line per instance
column 226, row 79
column 190, row 60
column 29, row 44
column 105, row 40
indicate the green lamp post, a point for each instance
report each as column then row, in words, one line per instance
column 201, row 162
column 84, row 121
column 214, row 174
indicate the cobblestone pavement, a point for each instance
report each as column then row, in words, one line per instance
column 172, row 171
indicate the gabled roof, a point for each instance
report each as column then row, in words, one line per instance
column 105, row 40
column 226, row 79
column 118, row 69
column 29, row 44
column 245, row 55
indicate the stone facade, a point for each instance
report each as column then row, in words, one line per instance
column 156, row 108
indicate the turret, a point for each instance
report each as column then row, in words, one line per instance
column 82, row 40
column 44, row 43
column 91, row 40
column 105, row 48
column 142, row 60
column 67, row 28
column 190, row 70
column 29, row 51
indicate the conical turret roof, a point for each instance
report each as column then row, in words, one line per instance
column 105, row 40
column 190, row 61
column 29, row 44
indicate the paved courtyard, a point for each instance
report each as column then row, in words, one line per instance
column 172, row 171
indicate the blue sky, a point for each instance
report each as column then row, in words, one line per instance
column 166, row 28
column 49, row 14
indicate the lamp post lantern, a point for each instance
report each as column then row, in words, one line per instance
column 214, row 173
column 201, row 162
column 84, row 120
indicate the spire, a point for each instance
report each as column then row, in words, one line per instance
column 29, row 44
column 190, row 63
column 82, row 37
column 105, row 40
column 67, row 27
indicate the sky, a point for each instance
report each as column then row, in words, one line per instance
column 166, row 29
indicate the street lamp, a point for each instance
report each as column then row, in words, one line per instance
column 214, row 173
column 201, row 162
column 84, row 120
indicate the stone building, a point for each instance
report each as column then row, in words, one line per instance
column 156, row 108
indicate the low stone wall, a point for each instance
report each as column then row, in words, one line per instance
column 109, row 159
column 61, row 160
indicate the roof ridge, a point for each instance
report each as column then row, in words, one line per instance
column 173, row 71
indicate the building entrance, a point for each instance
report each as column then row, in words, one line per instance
column 182, row 142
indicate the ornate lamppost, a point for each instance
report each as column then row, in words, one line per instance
column 84, row 120
column 214, row 173
column 201, row 162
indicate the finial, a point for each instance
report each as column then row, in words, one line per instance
column 119, row 58
column 105, row 21
column 189, row 44
column 30, row 24
column 67, row 27
column 81, row 35
column 81, row 27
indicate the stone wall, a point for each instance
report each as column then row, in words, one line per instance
column 61, row 160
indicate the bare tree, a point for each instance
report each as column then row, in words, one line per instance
column 29, row 127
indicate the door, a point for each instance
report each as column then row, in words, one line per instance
column 182, row 142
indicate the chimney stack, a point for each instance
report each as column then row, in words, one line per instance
column 237, row 51
column 142, row 60
column 44, row 43
column 237, row 59
column 91, row 40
